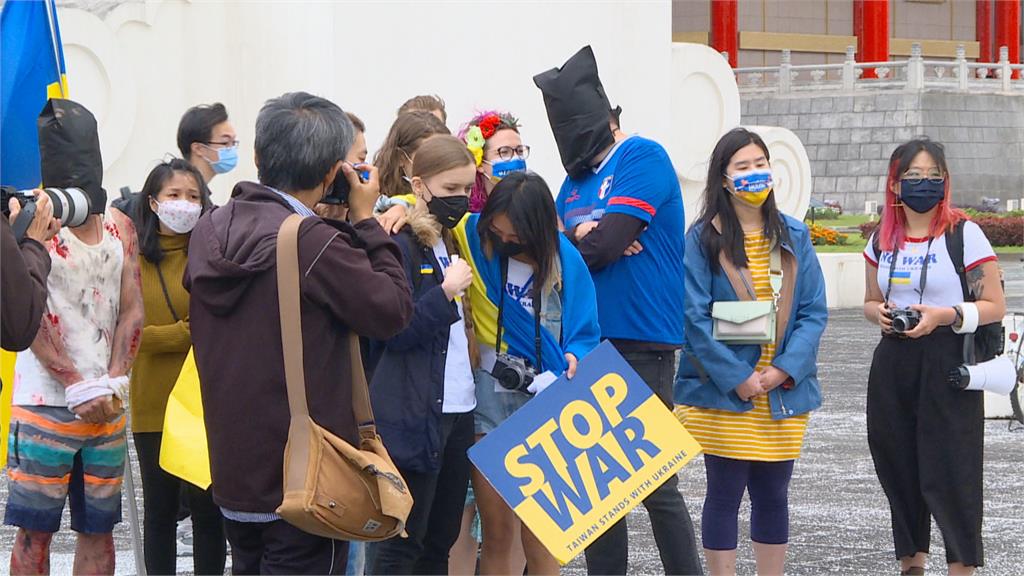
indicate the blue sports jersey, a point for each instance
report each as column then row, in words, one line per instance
column 638, row 297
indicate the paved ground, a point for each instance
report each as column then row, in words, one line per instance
column 840, row 518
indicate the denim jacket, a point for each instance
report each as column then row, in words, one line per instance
column 709, row 370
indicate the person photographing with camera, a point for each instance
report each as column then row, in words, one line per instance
column 351, row 280
column 932, row 278
column 26, row 265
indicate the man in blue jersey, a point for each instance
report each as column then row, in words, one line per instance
column 622, row 207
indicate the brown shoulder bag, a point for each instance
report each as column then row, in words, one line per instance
column 331, row 488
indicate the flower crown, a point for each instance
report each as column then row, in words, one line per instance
column 482, row 128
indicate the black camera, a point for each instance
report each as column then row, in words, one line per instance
column 513, row 373
column 904, row 319
column 341, row 188
column 70, row 206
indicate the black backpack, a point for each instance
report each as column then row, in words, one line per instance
column 987, row 341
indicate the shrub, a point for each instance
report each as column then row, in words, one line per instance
column 823, row 214
column 1000, row 230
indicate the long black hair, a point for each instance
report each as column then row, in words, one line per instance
column 718, row 203
column 146, row 220
column 526, row 200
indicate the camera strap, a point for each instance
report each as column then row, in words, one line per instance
column 924, row 272
column 503, row 264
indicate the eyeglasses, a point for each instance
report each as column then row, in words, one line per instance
column 915, row 178
column 228, row 143
column 509, row 152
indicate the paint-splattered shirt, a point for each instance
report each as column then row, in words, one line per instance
column 82, row 305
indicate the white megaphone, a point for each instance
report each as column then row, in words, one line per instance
column 998, row 376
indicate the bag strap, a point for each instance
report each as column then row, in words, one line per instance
column 775, row 272
column 289, row 302
column 955, row 248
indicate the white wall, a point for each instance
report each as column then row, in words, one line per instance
column 142, row 64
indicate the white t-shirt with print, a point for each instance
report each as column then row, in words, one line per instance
column 459, row 388
column 943, row 284
column 518, row 288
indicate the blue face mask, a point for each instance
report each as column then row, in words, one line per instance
column 922, row 196
column 503, row 168
column 227, row 159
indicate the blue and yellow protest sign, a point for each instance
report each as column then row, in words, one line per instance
column 580, row 456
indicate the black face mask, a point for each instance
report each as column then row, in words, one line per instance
column 448, row 210
column 922, row 196
column 506, row 249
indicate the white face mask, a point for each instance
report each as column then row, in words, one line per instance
column 180, row 216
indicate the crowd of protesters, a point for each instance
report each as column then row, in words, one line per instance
column 446, row 256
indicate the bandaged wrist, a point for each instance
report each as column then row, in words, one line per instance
column 969, row 312
column 86, row 391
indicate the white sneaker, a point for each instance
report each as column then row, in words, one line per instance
column 185, row 538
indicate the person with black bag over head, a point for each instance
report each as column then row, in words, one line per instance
column 933, row 287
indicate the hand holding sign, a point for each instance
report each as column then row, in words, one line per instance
column 575, row 464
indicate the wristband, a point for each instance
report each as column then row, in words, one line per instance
column 969, row 310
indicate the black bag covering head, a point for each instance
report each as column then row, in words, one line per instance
column 578, row 110
column 69, row 151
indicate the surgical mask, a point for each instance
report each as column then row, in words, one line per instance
column 448, row 210
column 503, row 168
column 753, row 186
column 227, row 159
column 506, row 249
column 922, row 196
column 180, row 216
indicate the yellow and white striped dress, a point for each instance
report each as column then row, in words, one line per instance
column 751, row 435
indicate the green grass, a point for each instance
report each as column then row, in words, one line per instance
column 854, row 244
column 1008, row 249
column 844, row 221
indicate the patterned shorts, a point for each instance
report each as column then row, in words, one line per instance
column 52, row 457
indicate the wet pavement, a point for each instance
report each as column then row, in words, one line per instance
column 839, row 518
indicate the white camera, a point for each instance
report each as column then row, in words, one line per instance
column 998, row 375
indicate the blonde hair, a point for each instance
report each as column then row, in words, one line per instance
column 439, row 153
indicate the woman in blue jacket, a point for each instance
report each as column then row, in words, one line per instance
column 422, row 389
column 748, row 404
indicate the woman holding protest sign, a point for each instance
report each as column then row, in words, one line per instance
column 535, row 312
column 755, row 313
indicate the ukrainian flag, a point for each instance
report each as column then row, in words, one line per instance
column 31, row 71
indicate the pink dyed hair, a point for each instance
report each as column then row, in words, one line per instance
column 478, row 196
column 892, row 230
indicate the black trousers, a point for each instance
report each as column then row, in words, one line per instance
column 436, row 517
column 280, row 548
column 670, row 520
column 162, row 494
column 927, row 441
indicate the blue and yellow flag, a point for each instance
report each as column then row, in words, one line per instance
column 31, row 71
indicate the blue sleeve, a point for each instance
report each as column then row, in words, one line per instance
column 800, row 357
column 560, row 199
column 582, row 332
column 719, row 361
column 644, row 180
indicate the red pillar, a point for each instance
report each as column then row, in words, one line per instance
column 984, row 30
column 1008, row 29
column 724, row 34
column 871, row 25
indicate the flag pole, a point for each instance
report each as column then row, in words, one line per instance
column 51, row 18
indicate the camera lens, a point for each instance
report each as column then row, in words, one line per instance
column 899, row 324
column 70, row 206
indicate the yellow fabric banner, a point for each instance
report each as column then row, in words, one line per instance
column 7, row 375
column 183, row 451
